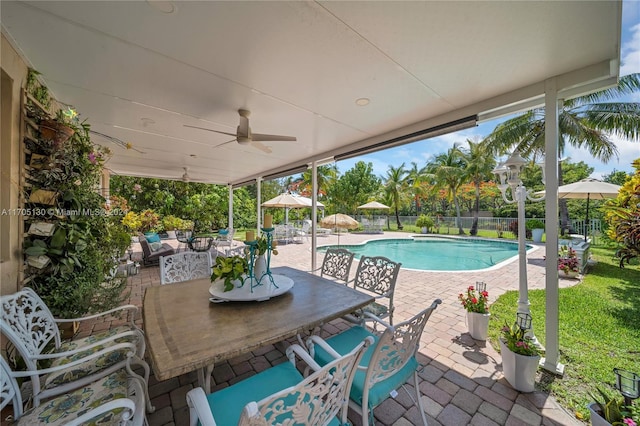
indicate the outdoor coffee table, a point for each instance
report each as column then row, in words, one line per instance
column 186, row 332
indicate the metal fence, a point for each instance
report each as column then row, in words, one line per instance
column 505, row 225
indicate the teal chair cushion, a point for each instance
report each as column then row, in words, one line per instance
column 345, row 342
column 227, row 404
column 152, row 237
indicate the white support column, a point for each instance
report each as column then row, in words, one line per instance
column 314, row 212
column 230, row 219
column 258, row 202
column 552, row 341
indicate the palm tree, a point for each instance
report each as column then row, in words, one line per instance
column 395, row 187
column 479, row 164
column 416, row 180
column 326, row 176
column 448, row 172
column 586, row 122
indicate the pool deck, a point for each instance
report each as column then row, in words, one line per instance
column 461, row 379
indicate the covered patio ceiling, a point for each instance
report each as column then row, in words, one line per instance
column 141, row 71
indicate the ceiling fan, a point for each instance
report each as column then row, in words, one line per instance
column 244, row 136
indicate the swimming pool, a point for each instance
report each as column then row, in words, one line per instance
column 438, row 253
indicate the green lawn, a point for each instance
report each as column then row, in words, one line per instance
column 599, row 329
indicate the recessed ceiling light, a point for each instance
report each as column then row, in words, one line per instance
column 362, row 101
column 162, row 5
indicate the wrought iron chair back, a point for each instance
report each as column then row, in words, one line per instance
column 337, row 264
column 185, row 266
column 378, row 275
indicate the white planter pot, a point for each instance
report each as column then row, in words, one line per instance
column 569, row 274
column 260, row 266
column 519, row 370
column 424, row 230
column 536, row 234
column 478, row 325
column 596, row 418
column 171, row 234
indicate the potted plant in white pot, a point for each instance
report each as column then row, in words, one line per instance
column 425, row 223
column 609, row 410
column 476, row 302
column 536, row 227
column 520, row 358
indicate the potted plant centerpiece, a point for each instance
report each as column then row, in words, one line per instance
column 568, row 262
column 476, row 302
column 232, row 270
column 425, row 223
column 536, row 227
column 520, row 357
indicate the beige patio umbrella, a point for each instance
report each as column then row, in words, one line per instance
column 589, row 189
column 341, row 221
column 289, row 201
column 374, row 205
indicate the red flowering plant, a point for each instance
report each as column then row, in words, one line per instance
column 567, row 260
column 475, row 301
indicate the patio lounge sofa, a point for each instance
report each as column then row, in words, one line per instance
column 150, row 256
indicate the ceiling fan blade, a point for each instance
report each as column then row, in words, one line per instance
column 224, row 143
column 210, row 130
column 262, row 147
column 257, row 137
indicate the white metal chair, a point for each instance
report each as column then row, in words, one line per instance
column 378, row 275
column 115, row 399
column 387, row 365
column 283, row 395
column 31, row 327
column 185, row 266
column 337, row 264
column 225, row 239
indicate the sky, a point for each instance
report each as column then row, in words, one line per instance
column 423, row 151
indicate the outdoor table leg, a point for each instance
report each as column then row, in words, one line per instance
column 204, row 378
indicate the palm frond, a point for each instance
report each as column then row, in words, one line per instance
column 627, row 85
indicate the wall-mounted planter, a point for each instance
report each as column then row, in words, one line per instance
column 38, row 262
column 43, row 196
column 55, row 131
column 43, row 229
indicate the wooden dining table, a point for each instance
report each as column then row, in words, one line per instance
column 186, row 332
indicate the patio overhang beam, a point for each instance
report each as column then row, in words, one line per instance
column 441, row 129
column 572, row 84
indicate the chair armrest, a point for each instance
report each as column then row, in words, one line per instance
column 317, row 340
column 199, row 407
column 296, row 349
column 109, row 339
column 370, row 317
column 28, row 373
column 125, row 403
column 100, row 314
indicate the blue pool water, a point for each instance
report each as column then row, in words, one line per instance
column 438, row 254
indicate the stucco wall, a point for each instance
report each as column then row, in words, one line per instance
column 14, row 74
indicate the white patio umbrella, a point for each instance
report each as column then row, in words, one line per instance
column 374, row 205
column 589, row 189
column 289, row 201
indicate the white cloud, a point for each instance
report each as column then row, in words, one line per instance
column 628, row 151
column 630, row 53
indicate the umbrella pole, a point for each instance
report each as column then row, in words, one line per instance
column 586, row 222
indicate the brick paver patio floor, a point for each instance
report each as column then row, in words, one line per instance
column 461, row 379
